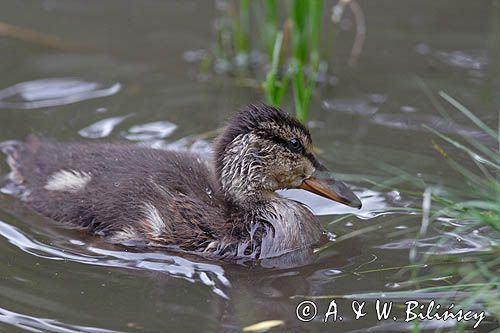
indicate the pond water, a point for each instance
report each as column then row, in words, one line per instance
column 124, row 70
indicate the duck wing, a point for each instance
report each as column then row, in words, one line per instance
column 124, row 192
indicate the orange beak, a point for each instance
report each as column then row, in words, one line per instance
column 331, row 189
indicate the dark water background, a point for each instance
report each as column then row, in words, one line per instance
column 132, row 77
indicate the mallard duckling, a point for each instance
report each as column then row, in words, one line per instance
column 226, row 207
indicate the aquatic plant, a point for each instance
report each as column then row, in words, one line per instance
column 295, row 56
column 302, row 31
column 470, row 278
column 473, row 208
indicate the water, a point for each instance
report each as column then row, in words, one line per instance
column 134, row 77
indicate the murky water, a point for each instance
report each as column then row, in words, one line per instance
column 126, row 73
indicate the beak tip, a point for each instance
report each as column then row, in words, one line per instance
column 336, row 191
column 356, row 204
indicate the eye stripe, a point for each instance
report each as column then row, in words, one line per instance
column 267, row 135
column 284, row 143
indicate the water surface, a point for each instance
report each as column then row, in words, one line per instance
column 132, row 78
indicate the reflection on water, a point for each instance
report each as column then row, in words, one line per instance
column 53, row 92
column 415, row 122
column 210, row 275
column 35, row 324
column 150, row 131
column 451, row 242
column 374, row 203
column 102, row 128
column 192, row 143
column 466, row 60
column 408, row 119
column 351, row 106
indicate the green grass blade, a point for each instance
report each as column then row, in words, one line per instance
column 270, row 25
column 458, row 145
column 243, row 32
column 460, row 107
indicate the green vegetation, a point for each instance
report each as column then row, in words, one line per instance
column 304, row 26
column 470, row 279
column 292, row 46
column 474, row 206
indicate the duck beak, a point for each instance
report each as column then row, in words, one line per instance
column 331, row 189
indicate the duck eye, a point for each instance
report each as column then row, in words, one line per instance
column 295, row 145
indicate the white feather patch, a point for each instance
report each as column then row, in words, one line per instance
column 155, row 221
column 68, row 181
column 127, row 234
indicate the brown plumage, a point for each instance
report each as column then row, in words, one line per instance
column 141, row 196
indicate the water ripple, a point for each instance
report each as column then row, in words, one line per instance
column 374, row 203
column 101, row 128
column 53, row 92
column 150, row 131
column 407, row 119
column 351, row 106
column 211, row 275
column 36, row 324
column 467, row 60
column 452, row 242
column 191, row 143
column 412, row 121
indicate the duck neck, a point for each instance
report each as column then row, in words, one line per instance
column 241, row 176
column 284, row 226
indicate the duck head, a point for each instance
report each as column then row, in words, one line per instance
column 264, row 149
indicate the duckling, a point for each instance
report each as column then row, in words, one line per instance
column 225, row 207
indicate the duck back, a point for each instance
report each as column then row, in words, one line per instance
column 124, row 192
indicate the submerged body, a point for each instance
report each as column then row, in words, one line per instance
column 140, row 196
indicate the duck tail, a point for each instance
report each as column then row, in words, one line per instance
column 11, row 149
column 8, row 146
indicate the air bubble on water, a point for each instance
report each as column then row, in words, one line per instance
column 332, row 272
column 408, row 109
column 395, row 195
column 331, row 236
column 392, row 285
